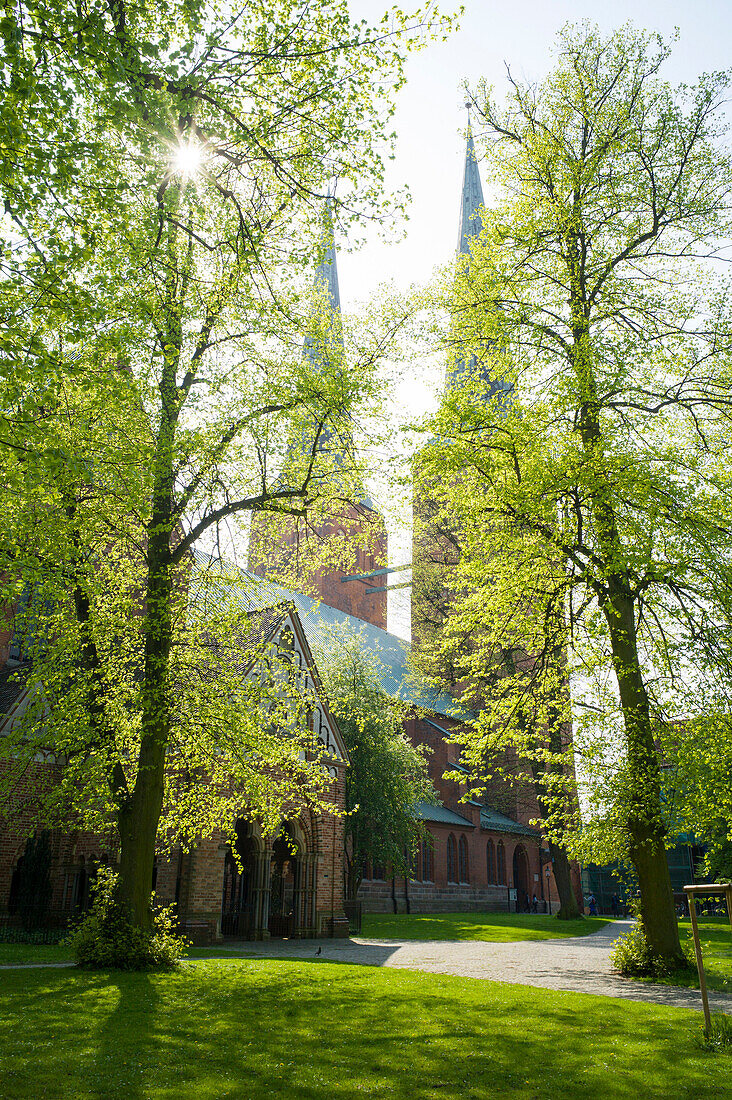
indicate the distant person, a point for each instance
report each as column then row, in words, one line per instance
column 593, row 906
column 534, row 904
column 615, row 905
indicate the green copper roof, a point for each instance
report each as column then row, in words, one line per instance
column 471, row 200
column 441, row 815
column 323, row 624
column 499, row 823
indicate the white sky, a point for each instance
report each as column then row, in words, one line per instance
column 430, row 121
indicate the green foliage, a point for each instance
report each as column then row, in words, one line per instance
column 719, row 857
column 591, row 498
column 719, row 1037
column 107, row 937
column 634, row 957
column 152, row 376
column 387, row 776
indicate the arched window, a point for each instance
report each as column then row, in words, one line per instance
column 463, row 853
column 426, row 861
column 501, row 864
column 452, row 869
column 414, row 863
column 490, row 862
column 379, row 871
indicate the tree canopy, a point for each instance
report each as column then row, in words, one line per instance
column 164, row 170
column 590, row 497
column 387, row 777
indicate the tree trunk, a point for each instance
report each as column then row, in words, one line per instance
column 568, row 907
column 139, row 818
column 137, row 832
column 645, row 824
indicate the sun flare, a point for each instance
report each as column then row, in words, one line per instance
column 188, row 158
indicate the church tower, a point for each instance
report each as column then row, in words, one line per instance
column 435, row 547
column 350, row 534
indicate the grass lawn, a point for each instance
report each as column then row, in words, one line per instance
column 33, row 953
column 716, row 943
column 320, row 1031
column 497, row 927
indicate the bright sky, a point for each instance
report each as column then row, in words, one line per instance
column 431, row 118
column 430, row 125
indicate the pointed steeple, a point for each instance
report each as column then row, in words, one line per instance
column 472, row 198
column 326, row 284
column 471, row 224
column 327, row 272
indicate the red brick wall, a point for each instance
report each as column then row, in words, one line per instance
column 278, row 555
column 441, row 895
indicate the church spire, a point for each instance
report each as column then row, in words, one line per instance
column 325, row 351
column 326, row 275
column 472, row 197
column 471, row 224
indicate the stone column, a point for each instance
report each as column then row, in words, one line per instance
column 260, row 894
column 304, row 896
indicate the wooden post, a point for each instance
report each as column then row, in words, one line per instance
column 691, row 891
column 700, row 967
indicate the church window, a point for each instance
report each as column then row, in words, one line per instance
column 379, row 871
column 414, row 861
column 501, row 864
column 490, row 862
column 463, row 852
column 426, row 861
column 452, row 869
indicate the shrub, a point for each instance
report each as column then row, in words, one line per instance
column 632, row 956
column 106, row 938
column 720, row 1035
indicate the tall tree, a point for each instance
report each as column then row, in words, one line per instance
column 162, row 169
column 388, row 775
column 597, row 497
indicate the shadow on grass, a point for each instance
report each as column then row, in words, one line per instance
column 256, row 1029
column 126, row 1047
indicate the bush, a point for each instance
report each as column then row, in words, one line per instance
column 720, row 1035
column 632, row 956
column 106, row 938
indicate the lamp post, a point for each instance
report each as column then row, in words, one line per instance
column 548, row 891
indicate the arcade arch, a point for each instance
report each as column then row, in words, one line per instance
column 270, row 890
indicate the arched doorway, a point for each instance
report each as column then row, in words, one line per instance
column 270, row 891
column 521, row 878
column 237, row 902
column 285, row 883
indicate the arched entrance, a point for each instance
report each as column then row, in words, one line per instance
column 285, row 876
column 521, row 878
column 237, row 902
column 273, row 892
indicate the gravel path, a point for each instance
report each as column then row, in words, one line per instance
column 580, row 965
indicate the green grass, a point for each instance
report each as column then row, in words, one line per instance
column 250, row 1030
column 497, row 927
column 33, row 953
column 715, row 937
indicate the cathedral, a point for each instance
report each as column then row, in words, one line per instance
column 482, row 855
